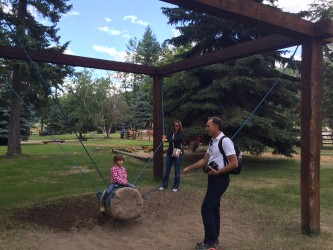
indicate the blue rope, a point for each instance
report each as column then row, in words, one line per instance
column 54, row 99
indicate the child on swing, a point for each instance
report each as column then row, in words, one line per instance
column 118, row 177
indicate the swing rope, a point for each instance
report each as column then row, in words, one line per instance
column 53, row 97
column 246, row 120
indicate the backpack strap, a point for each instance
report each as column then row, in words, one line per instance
column 222, row 151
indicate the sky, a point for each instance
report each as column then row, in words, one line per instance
column 102, row 28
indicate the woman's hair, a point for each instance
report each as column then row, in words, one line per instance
column 117, row 158
column 216, row 121
column 180, row 125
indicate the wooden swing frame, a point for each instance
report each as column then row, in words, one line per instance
column 289, row 30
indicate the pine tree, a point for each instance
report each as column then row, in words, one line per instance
column 21, row 30
column 146, row 51
column 232, row 90
column 327, row 105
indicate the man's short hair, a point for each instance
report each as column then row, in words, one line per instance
column 216, row 121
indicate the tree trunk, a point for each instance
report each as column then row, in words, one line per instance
column 80, row 136
column 41, row 127
column 14, row 146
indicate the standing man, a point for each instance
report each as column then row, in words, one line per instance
column 218, row 181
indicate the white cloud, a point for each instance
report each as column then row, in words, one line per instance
column 294, row 6
column 126, row 36
column 69, row 52
column 135, row 20
column 175, row 32
column 117, row 55
column 73, row 13
column 107, row 19
column 5, row 8
column 109, row 31
column 32, row 10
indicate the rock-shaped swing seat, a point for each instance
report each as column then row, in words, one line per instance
column 126, row 204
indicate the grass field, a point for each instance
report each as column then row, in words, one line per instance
column 269, row 186
column 50, row 171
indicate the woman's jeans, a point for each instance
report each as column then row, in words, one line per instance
column 210, row 209
column 168, row 163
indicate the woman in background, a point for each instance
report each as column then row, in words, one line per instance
column 173, row 156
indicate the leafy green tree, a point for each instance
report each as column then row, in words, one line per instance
column 95, row 104
column 20, row 28
column 231, row 90
column 111, row 106
column 79, row 104
column 319, row 10
column 53, row 120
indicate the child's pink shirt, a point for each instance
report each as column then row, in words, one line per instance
column 118, row 175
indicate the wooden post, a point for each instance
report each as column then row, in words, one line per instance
column 158, row 128
column 312, row 68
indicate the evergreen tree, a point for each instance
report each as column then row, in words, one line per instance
column 146, row 51
column 327, row 105
column 142, row 114
column 231, row 90
column 20, row 29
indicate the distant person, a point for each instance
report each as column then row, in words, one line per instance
column 174, row 155
column 118, row 177
column 122, row 133
column 218, row 182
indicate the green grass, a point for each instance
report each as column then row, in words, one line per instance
column 268, row 187
column 50, row 171
column 31, row 179
column 276, row 183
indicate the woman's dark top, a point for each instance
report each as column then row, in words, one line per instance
column 176, row 142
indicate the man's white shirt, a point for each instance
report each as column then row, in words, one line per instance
column 214, row 152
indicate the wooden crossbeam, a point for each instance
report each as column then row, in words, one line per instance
column 265, row 44
column 79, row 61
column 253, row 14
column 323, row 30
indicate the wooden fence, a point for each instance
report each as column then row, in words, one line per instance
column 143, row 134
column 327, row 138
